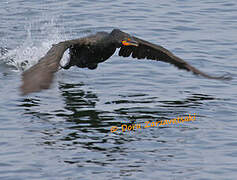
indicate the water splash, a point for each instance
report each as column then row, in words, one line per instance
column 39, row 39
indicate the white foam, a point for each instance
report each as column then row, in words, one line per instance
column 35, row 45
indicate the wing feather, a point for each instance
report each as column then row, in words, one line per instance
column 152, row 51
column 40, row 76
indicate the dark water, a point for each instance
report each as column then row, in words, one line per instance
column 64, row 132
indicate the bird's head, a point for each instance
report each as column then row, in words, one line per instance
column 129, row 42
column 123, row 39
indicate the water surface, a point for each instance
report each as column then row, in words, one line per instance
column 64, row 132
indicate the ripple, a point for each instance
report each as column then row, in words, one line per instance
column 59, row 132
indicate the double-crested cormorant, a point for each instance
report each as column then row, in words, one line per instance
column 88, row 51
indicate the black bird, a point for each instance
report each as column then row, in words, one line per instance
column 88, row 51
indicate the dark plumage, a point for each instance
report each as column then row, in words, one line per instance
column 88, row 51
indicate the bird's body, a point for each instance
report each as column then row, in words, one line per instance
column 89, row 55
column 88, row 51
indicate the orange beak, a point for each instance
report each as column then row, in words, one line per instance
column 129, row 42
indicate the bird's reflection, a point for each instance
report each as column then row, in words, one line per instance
column 80, row 105
column 81, row 109
column 194, row 100
column 88, row 128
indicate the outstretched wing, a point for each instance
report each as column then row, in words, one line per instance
column 148, row 50
column 40, row 76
